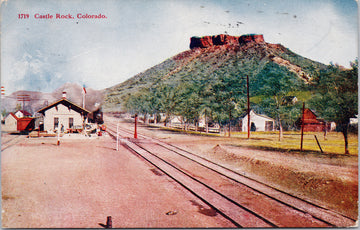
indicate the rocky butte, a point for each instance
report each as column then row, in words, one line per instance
column 224, row 39
column 211, row 56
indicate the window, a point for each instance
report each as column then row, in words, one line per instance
column 56, row 122
column 71, row 122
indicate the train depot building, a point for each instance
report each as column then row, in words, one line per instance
column 63, row 114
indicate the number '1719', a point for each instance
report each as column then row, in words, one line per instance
column 23, row 16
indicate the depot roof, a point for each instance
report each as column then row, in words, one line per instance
column 67, row 103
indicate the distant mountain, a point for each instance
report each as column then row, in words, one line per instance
column 93, row 99
column 38, row 100
column 212, row 56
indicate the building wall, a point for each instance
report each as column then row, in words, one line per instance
column 311, row 127
column 63, row 113
column 19, row 114
column 10, row 124
column 311, row 122
column 259, row 121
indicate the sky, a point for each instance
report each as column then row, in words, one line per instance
column 43, row 54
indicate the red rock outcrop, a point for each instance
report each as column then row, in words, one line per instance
column 224, row 39
column 258, row 38
column 203, row 42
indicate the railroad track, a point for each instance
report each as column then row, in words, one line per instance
column 242, row 200
column 12, row 141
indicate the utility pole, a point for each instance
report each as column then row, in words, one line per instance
column 230, row 123
column 135, row 132
column 23, row 98
column 248, row 105
column 302, row 127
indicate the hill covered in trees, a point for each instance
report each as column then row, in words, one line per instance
column 210, row 80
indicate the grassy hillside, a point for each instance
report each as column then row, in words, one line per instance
column 214, row 80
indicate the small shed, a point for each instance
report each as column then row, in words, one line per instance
column 63, row 113
column 258, row 122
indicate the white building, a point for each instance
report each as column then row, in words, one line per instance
column 176, row 120
column 258, row 122
column 10, row 124
column 63, row 113
column 354, row 121
column 22, row 113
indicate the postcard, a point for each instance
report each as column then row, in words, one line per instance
column 179, row 114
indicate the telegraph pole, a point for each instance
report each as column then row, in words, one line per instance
column 23, row 98
column 302, row 127
column 248, row 105
column 135, row 132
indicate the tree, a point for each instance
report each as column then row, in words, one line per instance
column 206, row 107
column 229, row 97
column 18, row 107
column 154, row 103
column 275, row 83
column 189, row 106
column 3, row 113
column 336, row 97
column 169, row 99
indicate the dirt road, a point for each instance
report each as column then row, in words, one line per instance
column 81, row 182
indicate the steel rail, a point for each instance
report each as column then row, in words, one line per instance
column 329, row 217
column 230, row 209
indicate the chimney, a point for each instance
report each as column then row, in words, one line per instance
column 64, row 95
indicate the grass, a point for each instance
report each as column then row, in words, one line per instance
column 332, row 144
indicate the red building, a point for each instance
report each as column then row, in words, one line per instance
column 312, row 123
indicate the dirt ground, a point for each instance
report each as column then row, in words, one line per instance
column 81, row 182
column 330, row 181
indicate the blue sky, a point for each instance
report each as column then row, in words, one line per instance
column 43, row 54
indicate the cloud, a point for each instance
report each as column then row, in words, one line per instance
column 43, row 54
column 325, row 36
column 31, row 72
